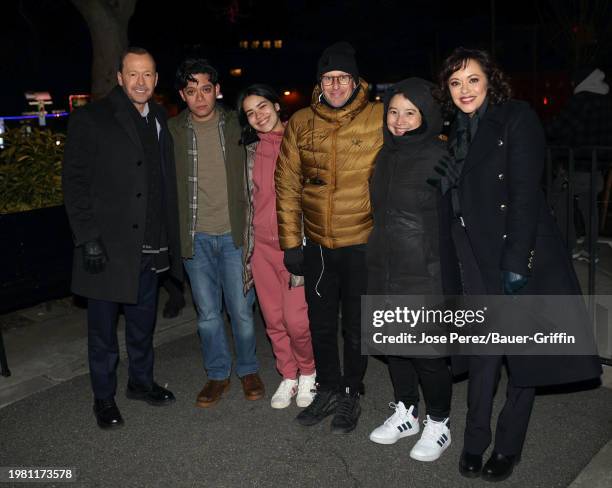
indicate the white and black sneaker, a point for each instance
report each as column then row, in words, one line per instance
column 435, row 439
column 401, row 424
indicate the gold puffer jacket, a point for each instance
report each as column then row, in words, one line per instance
column 323, row 172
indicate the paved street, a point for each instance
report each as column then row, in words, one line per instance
column 241, row 443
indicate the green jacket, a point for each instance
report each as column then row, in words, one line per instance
column 234, row 155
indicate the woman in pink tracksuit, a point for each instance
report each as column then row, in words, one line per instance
column 281, row 294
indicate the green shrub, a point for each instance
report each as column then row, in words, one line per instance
column 31, row 169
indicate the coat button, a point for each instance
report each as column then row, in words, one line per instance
column 139, row 163
column 134, row 226
column 500, row 176
column 138, row 195
column 502, row 207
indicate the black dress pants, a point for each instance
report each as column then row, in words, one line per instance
column 435, row 379
column 333, row 277
column 103, row 346
column 513, row 420
column 484, row 373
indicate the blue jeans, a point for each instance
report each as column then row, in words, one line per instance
column 215, row 271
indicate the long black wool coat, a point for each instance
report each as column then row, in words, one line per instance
column 105, row 194
column 510, row 227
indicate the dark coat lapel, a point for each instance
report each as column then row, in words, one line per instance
column 123, row 116
column 487, row 138
column 164, row 134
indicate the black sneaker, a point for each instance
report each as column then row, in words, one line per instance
column 347, row 412
column 323, row 405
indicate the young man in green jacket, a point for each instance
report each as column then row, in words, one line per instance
column 210, row 175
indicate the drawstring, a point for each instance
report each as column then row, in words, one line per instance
column 321, row 275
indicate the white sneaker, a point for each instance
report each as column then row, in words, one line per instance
column 435, row 439
column 306, row 390
column 284, row 393
column 401, row 424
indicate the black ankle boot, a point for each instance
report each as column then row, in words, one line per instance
column 323, row 405
column 347, row 412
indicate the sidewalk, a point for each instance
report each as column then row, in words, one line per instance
column 52, row 348
column 46, row 420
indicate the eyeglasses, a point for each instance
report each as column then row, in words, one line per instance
column 342, row 80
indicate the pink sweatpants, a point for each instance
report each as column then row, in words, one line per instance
column 284, row 310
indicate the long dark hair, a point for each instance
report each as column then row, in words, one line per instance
column 498, row 91
column 249, row 135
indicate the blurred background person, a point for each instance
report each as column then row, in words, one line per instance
column 586, row 120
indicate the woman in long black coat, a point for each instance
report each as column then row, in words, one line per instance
column 403, row 256
column 500, row 239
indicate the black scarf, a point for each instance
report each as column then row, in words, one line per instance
column 155, row 236
column 465, row 132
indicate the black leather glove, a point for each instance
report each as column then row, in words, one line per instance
column 450, row 172
column 513, row 282
column 94, row 256
column 294, row 260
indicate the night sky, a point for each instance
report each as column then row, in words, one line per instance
column 46, row 44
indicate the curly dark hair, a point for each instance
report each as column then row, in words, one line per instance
column 498, row 91
column 194, row 66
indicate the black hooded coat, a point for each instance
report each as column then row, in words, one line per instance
column 403, row 248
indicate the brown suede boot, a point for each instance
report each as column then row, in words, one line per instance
column 212, row 392
column 253, row 386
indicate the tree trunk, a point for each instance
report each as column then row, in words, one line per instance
column 108, row 26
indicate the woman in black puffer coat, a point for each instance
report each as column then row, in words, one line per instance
column 403, row 256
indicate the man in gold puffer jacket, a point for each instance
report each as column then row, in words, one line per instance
column 324, row 220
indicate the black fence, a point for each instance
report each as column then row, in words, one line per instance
column 35, row 257
column 575, row 177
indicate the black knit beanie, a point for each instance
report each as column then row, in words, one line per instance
column 338, row 57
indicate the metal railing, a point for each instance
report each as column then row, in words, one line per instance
column 561, row 160
column 4, row 369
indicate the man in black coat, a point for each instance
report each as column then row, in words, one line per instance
column 120, row 195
